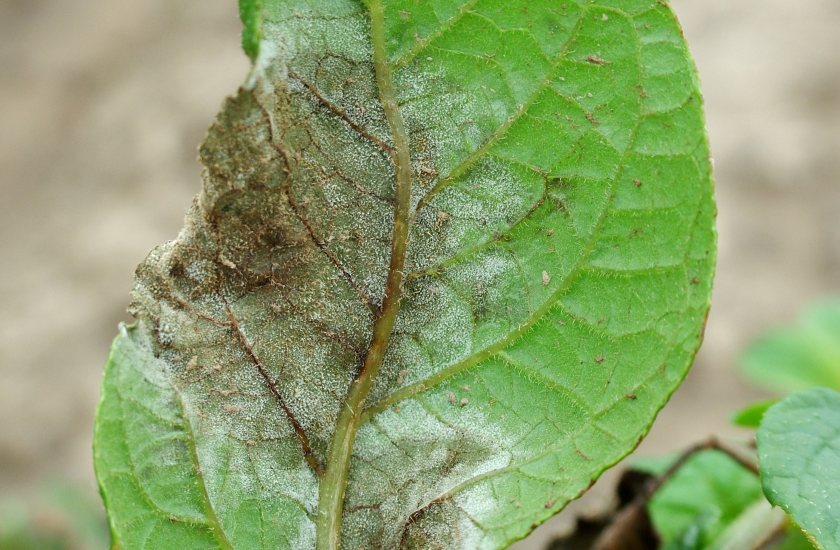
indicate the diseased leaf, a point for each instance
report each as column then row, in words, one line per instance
column 448, row 261
column 799, row 452
column 799, row 357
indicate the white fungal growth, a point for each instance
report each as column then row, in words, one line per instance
column 265, row 66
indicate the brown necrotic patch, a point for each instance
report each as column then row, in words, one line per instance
column 257, row 282
column 434, row 526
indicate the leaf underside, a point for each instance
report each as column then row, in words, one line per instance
column 556, row 278
column 799, row 452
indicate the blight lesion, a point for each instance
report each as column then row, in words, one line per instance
column 371, row 239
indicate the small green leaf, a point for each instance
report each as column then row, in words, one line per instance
column 750, row 416
column 449, row 260
column 799, row 453
column 799, row 357
column 704, row 496
column 250, row 12
column 754, row 527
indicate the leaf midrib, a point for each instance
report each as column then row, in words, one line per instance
column 333, row 484
column 477, row 357
column 354, row 413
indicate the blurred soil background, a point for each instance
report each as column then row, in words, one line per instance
column 103, row 104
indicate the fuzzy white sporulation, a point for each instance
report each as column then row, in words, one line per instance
column 256, row 320
column 436, row 455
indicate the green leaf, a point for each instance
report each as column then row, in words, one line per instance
column 61, row 516
column 250, row 12
column 448, row 261
column 702, row 498
column 753, row 528
column 799, row 452
column 751, row 415
column 713, row 502
column 794, row 540
column 799, row 357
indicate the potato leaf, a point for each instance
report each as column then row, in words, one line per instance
column 751, row 415
column 801, row 356
column 448, row 261
column 714, row 502
column 705, row 495
column 799, row 452
column 758, row 526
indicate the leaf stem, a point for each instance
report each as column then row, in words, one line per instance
column 334, row 483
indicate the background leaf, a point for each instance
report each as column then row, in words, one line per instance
column 61, row 517
column 799, row 357
column 705, row 495
column 713, row 502
column 751, row 415
column 538, row 171
column 757, row 526
column 799, row 453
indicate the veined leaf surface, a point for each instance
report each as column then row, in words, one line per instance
column 799, row 452
column 448, row 261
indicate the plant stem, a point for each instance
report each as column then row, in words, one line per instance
column 334, row 483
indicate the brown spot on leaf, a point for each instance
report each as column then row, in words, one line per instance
column 441, row 219
column 596, row 60
column 193, row 363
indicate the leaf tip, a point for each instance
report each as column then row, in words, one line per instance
column 250, row 12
